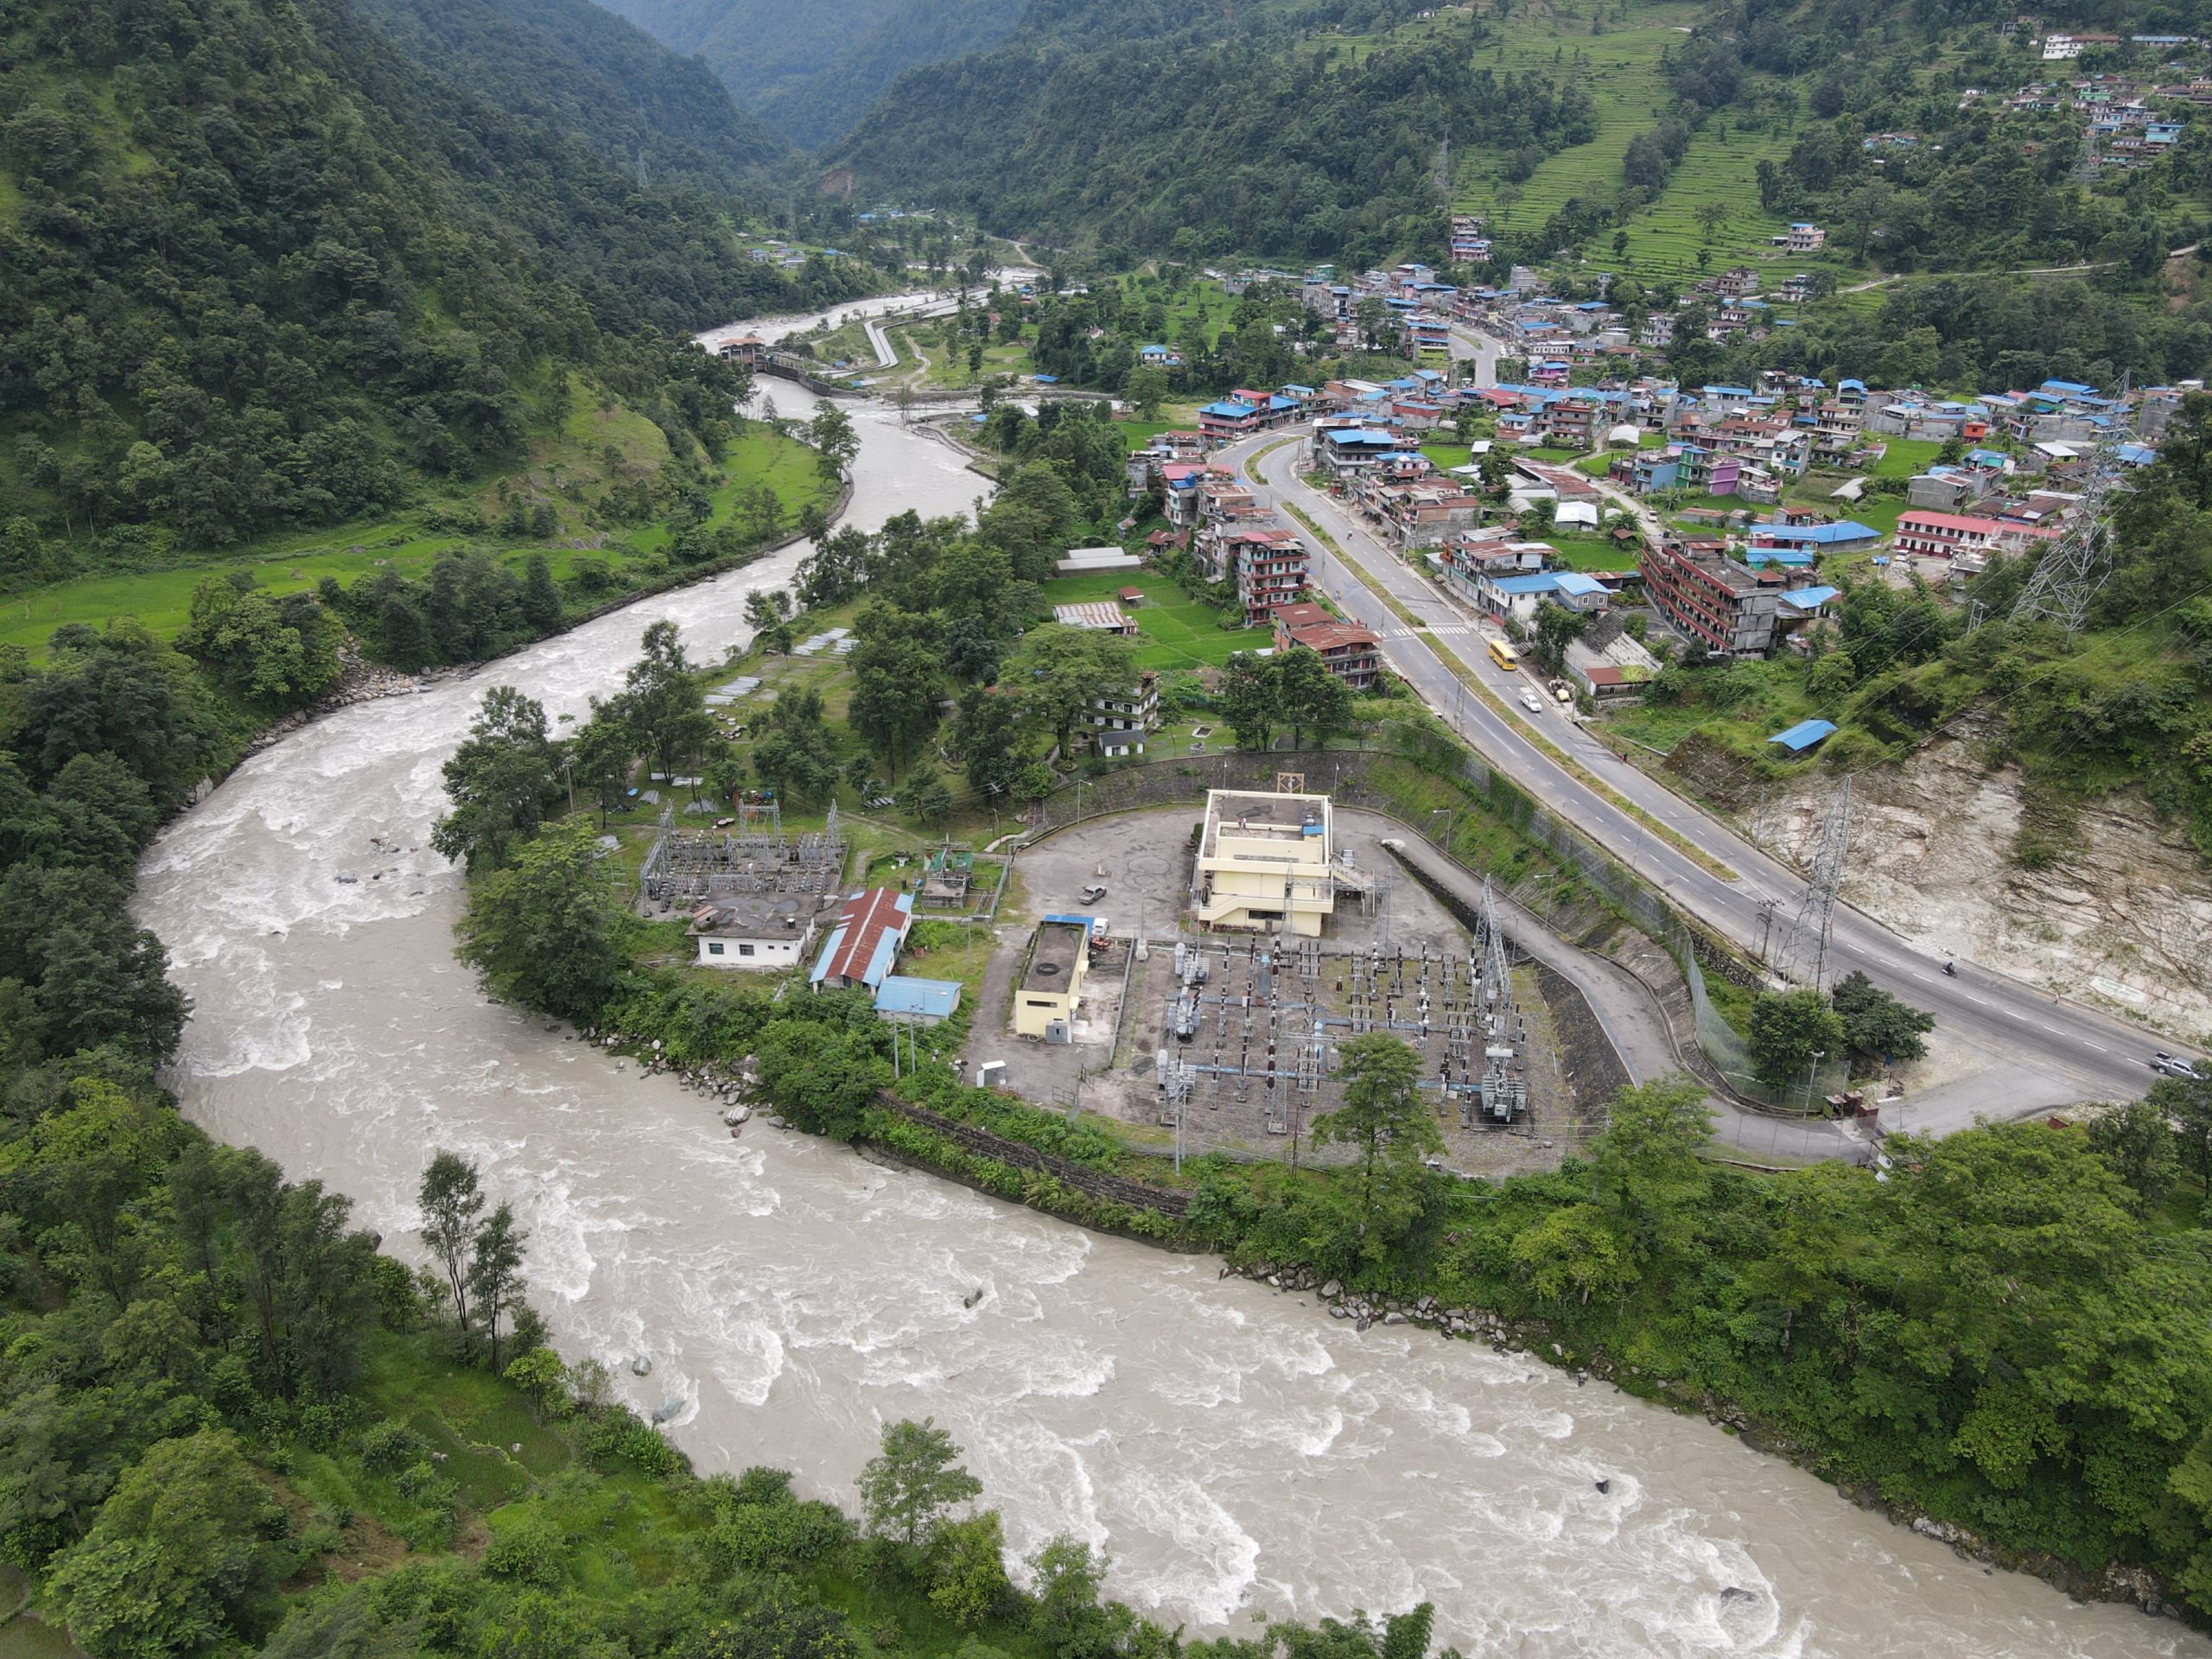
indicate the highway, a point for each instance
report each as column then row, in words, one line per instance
column 2041, row 1051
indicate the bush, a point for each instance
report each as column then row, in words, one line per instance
column 391, row 1446
column 529, row 1554
column 620, row 1437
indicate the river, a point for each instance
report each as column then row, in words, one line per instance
column 1233, row 1449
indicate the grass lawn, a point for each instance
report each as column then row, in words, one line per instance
column 1592, row 552
column 161, row 600
column 1446, row 456
column 1905, row 456
column 1178, row 632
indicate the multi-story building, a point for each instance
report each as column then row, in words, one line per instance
column 1728, row 607
column 1348, row 650
column 1119, row 717
column 1271, row 570
column 1264, row 862
column 1940, row 535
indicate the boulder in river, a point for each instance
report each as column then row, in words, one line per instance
column 640, row 1366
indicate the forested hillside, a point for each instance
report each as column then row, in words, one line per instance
column 575, row 69
column 810, row 71
column 1245, row 136
column 258, row 269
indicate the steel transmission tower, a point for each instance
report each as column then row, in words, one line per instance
column 2069, row 574
column 1803, row 956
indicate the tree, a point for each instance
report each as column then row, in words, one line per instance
column 1308, row 695
column 795, row 754
column 1651, row 1174
column 177, row 1555
column 549, row 930
column 495, row 1272
column 541, row 600
column 895, row 676
column 834, row 441
column 928, row 798
column 968, row 1581
column 1057, row 671
column 1877, row 1026
column 983, row 732
column 1393, row 1129
column 1250, row 699
column 450, row 1197
column 1065, row 1577
column 1147, row 390
column 599, row 755
column 666, row 712
column 2140, row 1143
column 1711, row 217
column 1557, row 627
column 910, row 1487
column 2188, row 1102
column 277, row 652
column 502, row 781
column 1788, row 1029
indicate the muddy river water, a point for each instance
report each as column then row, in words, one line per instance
column 1234, row 1449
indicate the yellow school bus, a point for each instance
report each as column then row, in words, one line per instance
column 1503, row 655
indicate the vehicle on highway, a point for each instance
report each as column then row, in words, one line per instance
column 2172, row 1066
column 1504, row 656
column 1531, row 701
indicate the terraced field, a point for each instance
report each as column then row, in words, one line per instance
column 1621, row 69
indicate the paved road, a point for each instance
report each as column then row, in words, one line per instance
column 1635, row 1023
column 1472, row 345
column 2060, row 1052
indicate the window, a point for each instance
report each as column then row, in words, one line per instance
column 713, row 950
column 1036, row 1002
column 744, row 950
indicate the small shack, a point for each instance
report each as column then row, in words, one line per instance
column 1805, row 736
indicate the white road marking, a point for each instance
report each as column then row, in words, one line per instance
column 2100, row 1047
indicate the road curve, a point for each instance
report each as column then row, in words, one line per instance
column 2043, row 1051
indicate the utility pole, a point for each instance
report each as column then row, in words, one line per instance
column 2070, row 575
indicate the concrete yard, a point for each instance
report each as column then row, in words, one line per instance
column 1145, row 861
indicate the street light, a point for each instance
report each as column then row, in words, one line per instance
column 1819, row 1054
column 1450, row 814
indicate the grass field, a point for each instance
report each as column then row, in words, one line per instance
column 1592, row 552
column 1179, row 633
column 161, row 600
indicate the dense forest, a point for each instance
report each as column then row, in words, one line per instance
column 810, row 72
column 575, row 69
column 1244, row 140
column 258, row 269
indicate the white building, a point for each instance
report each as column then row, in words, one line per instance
column 769, row 930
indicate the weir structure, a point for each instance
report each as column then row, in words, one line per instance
column 1262, row 1019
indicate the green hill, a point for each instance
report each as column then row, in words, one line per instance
column 259, row 270
column 812, row 70
column 1253, row 131
column 579, row 71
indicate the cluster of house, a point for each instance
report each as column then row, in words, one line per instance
column 2128, row 123
column 1415, row 308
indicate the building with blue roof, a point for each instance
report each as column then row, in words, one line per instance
column 1810, row 599
column 1805, row 736
column 1845, row 535
column 916, row 1001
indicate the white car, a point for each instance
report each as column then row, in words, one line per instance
column 1532, row 702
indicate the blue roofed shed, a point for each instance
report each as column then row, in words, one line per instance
column 922, row 1002
column 1810, row 599
column 1805, row 734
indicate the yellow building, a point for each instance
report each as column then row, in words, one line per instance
column 1263, row 863
column 1045, row 1002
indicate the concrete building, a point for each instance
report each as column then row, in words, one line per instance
column 1350, row 653
column 1051, row 984
column 766, row 929
column 1121, row 715
column 1263, row 863
column 1728, row 607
